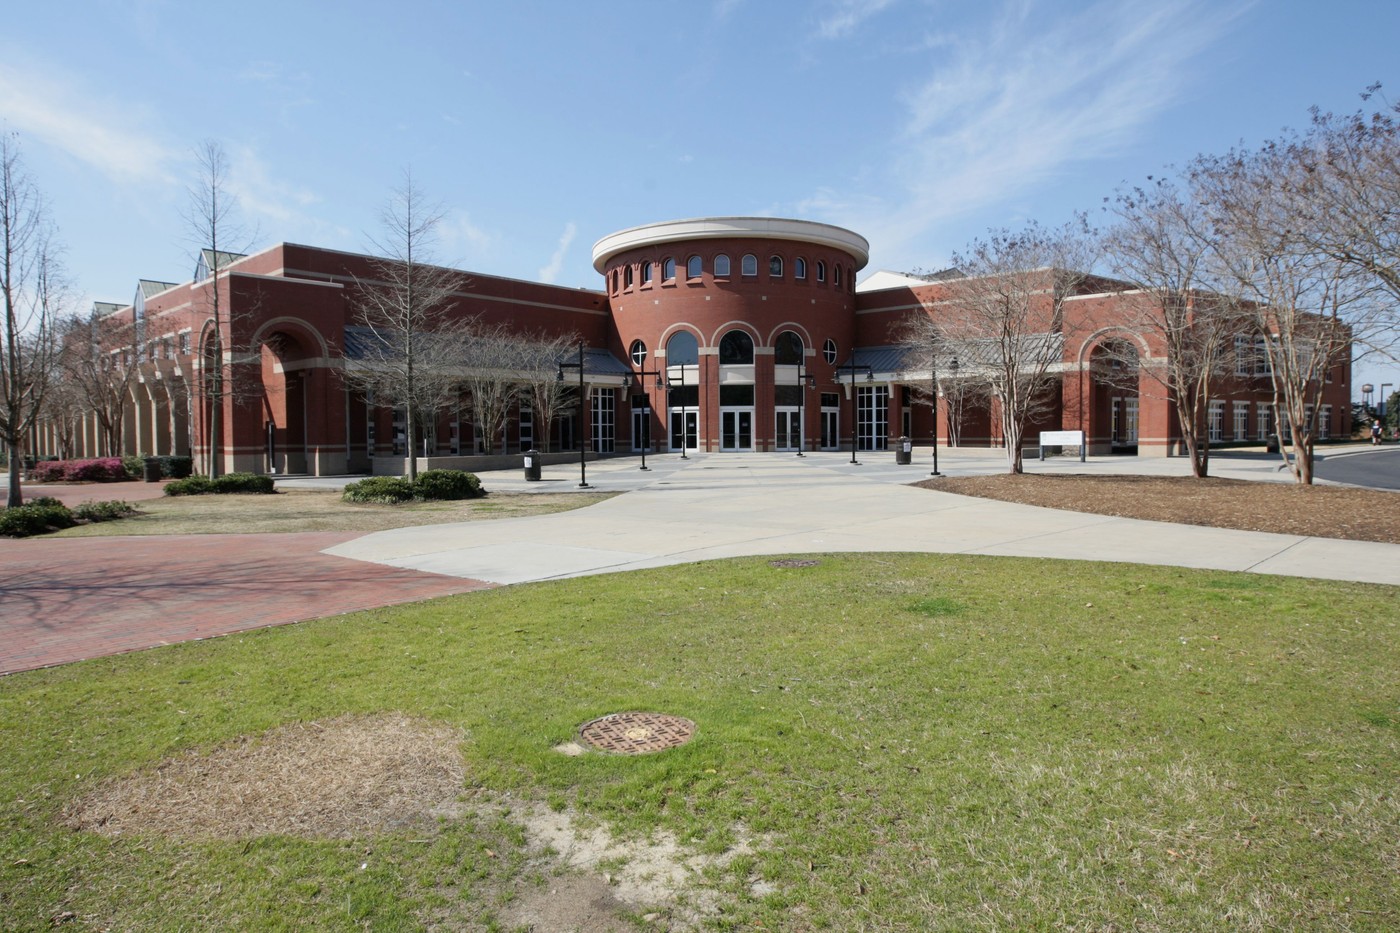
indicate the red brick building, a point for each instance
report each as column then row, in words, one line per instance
column 715, row 334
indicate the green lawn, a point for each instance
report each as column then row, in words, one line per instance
column 914, row 742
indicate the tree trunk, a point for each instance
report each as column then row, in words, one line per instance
column 16, row 495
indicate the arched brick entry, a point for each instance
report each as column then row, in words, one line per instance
column 1115, row 376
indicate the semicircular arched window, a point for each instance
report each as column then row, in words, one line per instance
column 799, row 268
column 775, row 267
column 736, row 348
column 787, row 349
column 748, row 265
column 682, row 349
column 646, row 274
column 694, row 267
column 722, row 266
column 668, row 269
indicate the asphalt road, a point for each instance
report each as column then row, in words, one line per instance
column 1378, row 468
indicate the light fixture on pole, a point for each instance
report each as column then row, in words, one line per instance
column 582, row 417
column 670, row 384
column 852, row 368
column 805, row 382
column 641, row 383
column 933, row 373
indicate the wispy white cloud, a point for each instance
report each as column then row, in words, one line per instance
column 843, row 16
column 262, row 195
column 1006, row 110
column 461, row 239
column 556, row 262
column 119, row 141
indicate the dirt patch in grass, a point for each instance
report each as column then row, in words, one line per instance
column 1282, row 508
column 296, row 510
column 356, row 777
column 334, row 779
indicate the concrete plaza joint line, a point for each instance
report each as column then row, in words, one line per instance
column 728, row 505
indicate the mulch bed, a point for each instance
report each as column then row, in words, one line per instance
column 1283, row 508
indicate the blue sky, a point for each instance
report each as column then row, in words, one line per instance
column 543, row 126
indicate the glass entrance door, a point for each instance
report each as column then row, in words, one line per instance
column 736, row 429
column 787, row 434
column 831, row 434
column 684, row 429
column 641, row 429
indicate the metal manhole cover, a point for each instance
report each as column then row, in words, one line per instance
column 636, row 733
column 790, row 562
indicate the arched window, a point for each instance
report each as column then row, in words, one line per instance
column 722, row 265
column 613, row 279
column 736, row 347
column 821, row 271
column 646, row 274
column 749, row 264
column 787, row 349
column 799, row 268
column 639, row 353
column 682, row 349
column 836, row 275
column 627, row 277
column 694, row 267
column 775, row 267
column 829, row 351
column 668, row 269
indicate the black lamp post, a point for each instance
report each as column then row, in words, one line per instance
column 852, row 368
column 933, row 372
column 805, row 382
column 660, row 383
column 582, row 417
column 683, row 405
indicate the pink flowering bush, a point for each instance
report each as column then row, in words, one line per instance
column 104, row 470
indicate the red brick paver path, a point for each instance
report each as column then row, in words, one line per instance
column 65, row 600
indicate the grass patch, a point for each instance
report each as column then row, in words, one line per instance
column 319, row 510
column 911, row 742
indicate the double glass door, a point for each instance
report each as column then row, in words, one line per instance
column 787, row 434
column 684, row 429
column 736, row 429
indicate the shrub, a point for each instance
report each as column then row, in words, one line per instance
column 176, row 467
column 102, row 511
column 245, row 483
column 35, row 518
column 448, row 484
column 190, row 486
column 135, row 466
column 104, row 470
column 379, row 489
column 228, row 483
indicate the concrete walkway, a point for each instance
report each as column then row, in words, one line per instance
column 727, row 505
column 63, row 600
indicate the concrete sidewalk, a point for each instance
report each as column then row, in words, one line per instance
column 726, row 505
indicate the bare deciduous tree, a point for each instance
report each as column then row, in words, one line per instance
column 212, row 224
column 32, row 289
column 415, row 359
column 1349, row 183
column 927, row 351
column 100, row 362
column 539, row 358
column 1307, row 307
column 1004, row 319
column 1161, row 245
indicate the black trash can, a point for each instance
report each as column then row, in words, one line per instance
column 904, row 452
column 151, row 469
column 1272, row 444
column 532, row 465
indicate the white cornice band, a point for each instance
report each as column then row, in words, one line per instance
column 714, row 228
